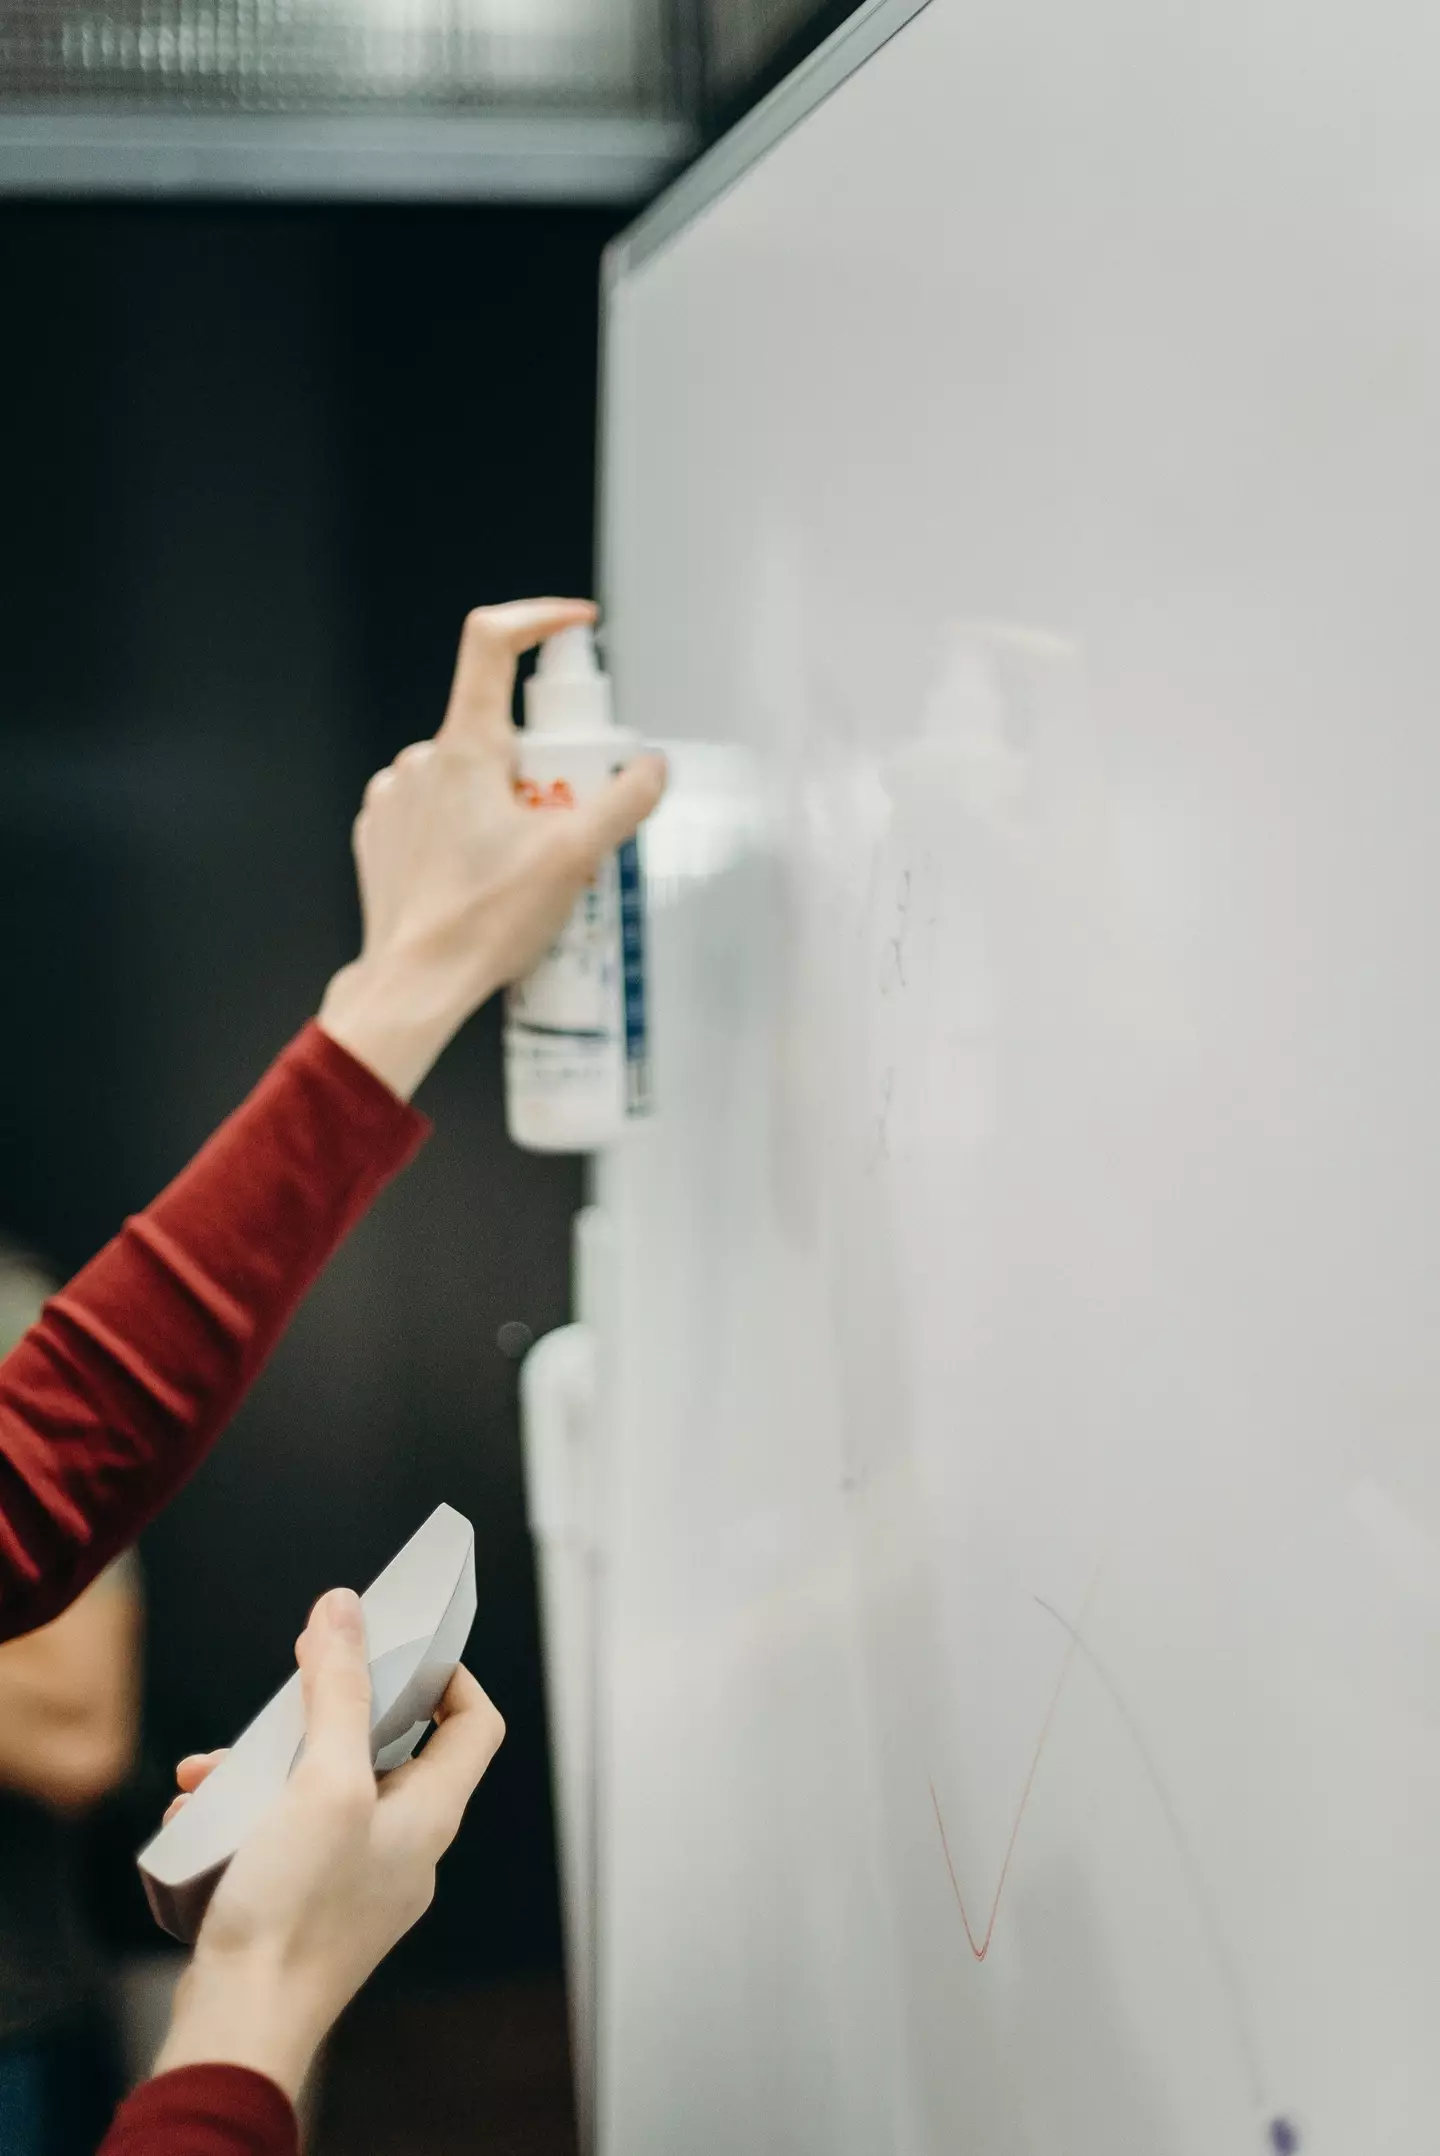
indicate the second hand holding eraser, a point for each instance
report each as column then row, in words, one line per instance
column 418, row 1615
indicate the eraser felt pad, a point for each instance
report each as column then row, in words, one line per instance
column 418, row 1615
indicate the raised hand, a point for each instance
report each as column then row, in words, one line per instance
column 462, row 889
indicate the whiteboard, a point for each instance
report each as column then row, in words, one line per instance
column 1021, row 1498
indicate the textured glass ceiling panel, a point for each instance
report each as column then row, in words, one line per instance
column 336, row 55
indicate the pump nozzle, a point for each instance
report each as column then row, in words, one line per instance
column 569, row 655
column 569, row 691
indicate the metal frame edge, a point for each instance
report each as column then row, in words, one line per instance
column 751, row 138
column 490, row 155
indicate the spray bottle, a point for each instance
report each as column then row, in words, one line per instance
column 576, row 1053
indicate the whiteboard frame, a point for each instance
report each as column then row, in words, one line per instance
column 847, row 49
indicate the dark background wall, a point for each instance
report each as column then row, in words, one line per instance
column 257, row 464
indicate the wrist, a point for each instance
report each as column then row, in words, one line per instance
column 396, row 1014
column 241, row 2009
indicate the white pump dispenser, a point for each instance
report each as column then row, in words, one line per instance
column 568, row 691
column 576, row 1057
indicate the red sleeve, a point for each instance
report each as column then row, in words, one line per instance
column 204, row 2111
column 113, row 1398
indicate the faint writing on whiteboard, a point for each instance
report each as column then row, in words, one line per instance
column 1282, row 2135
column 995, row 778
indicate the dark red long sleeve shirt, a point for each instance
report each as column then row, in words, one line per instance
column 113, row 1398
column 205, row 2111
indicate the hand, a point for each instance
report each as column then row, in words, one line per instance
column 461, row 888
column 339, row 1868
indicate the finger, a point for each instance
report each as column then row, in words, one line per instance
column 176, row 1804
column 492, row 640
column 614, row 814
column 434, row 1789
column 194, row 1767
column 335, row 1682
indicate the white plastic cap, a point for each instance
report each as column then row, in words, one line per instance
column 568, row 691
column 570, row 654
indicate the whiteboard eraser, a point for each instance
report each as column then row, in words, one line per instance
column 418, row 1615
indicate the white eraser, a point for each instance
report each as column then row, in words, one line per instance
column 418, row 1615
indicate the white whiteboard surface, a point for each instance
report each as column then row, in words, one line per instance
column 1022, row 1504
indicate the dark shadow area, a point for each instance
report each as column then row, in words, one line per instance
column 258, row 464
column 450, row 2074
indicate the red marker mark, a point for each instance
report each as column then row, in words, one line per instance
column 981, row 1947
column 1282, row 2136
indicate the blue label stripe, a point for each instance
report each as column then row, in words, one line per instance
column 638, row 1100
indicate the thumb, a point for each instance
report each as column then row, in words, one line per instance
column 335, row 1681
column 614, row 814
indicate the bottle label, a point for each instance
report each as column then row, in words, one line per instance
column 631, row 880
column 572, row 994
column 576, row 1033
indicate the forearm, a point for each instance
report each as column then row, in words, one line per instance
column 397, row 1015
column 246, row 2009
column 109, row 1402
